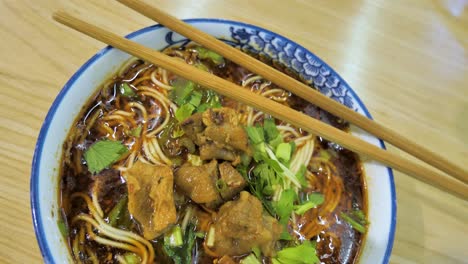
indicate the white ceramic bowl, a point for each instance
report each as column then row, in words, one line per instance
column 73, row 96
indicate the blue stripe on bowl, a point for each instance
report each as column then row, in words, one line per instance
column 34, row 183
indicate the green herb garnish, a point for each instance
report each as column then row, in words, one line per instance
column 62, row 227
column 285, row 205
column 117, row 212
column 131, row 258
column 181, row 254
column 102, row 154
column 184, row 112
column 283, row 152
column 301, row 254
column 182, row 90
column 313, row 201
column 204, row 53
column 126, row 90
column 136, row 132
column 250, row 259
column 356, row 219
column 173, row 238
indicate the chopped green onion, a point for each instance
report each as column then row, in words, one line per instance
column 283, row 152
column 194, row 160
column 287, row 172
column 126, row 90
column 210, row 237
column 62, row 227
column 183, row 253
column 174, row 237
column 221, row 185
column 314, row 200
column 356, row 219
column 116, row 212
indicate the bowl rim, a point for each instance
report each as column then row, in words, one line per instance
column 38, row 151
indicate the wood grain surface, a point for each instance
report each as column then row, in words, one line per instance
column 407, row 60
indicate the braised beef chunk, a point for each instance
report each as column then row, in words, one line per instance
column 241, row 226
column 199, row 183
column 151, row 198
column 210, row 151
column 222, row 127
column 226, row 260
column 192, row 126
column 228, row 136
column 218, row 134
column 231, row 181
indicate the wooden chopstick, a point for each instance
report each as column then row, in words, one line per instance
column 261, row 103
column 298, row 88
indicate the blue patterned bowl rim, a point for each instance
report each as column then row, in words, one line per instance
column 34, row 192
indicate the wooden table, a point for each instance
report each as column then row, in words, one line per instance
column 407, row 60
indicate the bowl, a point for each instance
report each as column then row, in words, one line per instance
column 76, row 92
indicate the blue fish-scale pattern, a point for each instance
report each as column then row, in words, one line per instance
column 307, row 65
column 304, row 63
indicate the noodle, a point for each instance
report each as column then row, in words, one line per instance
column 144, row 121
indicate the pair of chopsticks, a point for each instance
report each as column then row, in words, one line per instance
column 456, row 186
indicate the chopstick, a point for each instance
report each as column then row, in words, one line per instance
column 298, row 89
column 261, row 103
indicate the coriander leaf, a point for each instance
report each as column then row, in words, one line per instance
column 209, row 100
column 314, row 200
column 126, row 90
column 285, row 235
column 285, row 205
column 250, row 259
column 301, row 254
column 276, row 141
column 204, row 53
column 257, row 252
column 182, row 90
column 195, row 98
column 102, row 154
column 184, row 112
column 255, row 134
column 271, row 131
